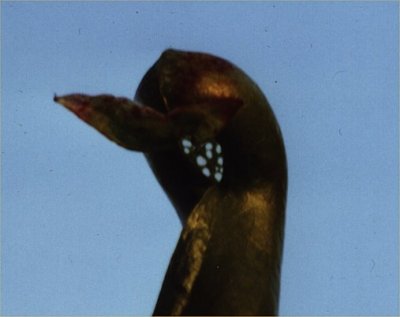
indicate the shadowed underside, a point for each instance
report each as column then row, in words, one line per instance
column 214, row 145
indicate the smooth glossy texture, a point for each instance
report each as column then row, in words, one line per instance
column 215, row 146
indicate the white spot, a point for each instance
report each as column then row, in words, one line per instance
column 209, row 154
column 206, row 171
column 218, row 148
column 201, row 161
column 186, row 143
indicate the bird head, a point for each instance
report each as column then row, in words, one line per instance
column 199, row 99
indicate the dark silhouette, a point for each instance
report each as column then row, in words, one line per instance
column 215, row 146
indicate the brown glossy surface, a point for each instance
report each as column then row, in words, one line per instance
column 228, row 258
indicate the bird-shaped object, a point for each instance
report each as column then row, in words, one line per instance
column 215, row 146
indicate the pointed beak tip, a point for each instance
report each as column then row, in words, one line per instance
column 57, row 99
column 60, row 100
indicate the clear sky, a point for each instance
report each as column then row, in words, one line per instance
column 86, row 229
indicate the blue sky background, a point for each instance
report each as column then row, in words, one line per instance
column 86, row 229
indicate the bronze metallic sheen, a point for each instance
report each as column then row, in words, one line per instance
column 228, row 258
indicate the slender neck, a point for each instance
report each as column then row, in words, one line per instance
column 255, row 175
